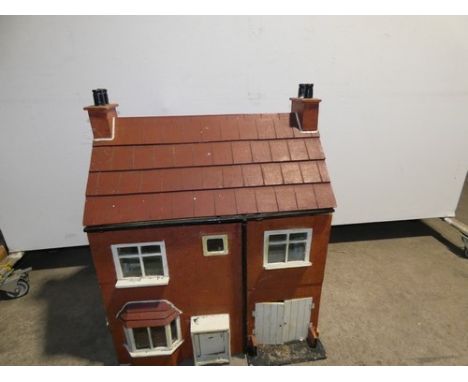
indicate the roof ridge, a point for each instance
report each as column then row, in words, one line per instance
column 208, row 165
column 262, row 186
column 306, row 136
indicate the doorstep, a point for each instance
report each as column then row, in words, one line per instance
column 292, row 352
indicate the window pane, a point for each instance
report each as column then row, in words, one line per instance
column 296, row 252
column 215, row 245
column 277, row 253
column 280, row 237
column 127, row 251
column 174, row 331
column 153, row 265
column 158, row 336
column 130, row 266
column 141, row 338
column 151, row 249
column 298, row 236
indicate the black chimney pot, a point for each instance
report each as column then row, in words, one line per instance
column 309, row 91
column 301, row 92
column 100, row 97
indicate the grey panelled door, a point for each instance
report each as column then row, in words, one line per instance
column 280, row 322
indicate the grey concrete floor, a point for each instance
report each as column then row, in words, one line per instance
column 394, row 294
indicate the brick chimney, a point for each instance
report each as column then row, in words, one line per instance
column 101, row 115
column 305, row 108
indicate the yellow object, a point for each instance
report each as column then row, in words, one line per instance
column 3, row 252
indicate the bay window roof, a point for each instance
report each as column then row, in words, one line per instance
column 148, row 314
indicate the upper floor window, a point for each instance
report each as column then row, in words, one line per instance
column 287, row 248
column 140, row 264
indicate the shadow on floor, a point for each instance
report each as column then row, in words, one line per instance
column 75, row 323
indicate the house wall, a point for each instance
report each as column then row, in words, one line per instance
column 275, row 285
column 202, row 285
column 198, row 285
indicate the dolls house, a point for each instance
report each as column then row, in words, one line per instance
column 208, row 233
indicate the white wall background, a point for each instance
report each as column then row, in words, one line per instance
column 394, row 116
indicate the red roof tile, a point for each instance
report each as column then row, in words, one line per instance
column 260, row 151
column 163, row 168
column 245, row 200
column 310, row 172
column 151, row 182
column 232, row 176
column 241, row 152
column 272, row 173
column 204, row 204
column 305, row 196
column 159, row 206
column 297, row 149
column 286, row 198
column 225, row 202
column 143, row 157
column 279, row 151
column 182, row 205
column 266, row 199
column 164, row 156
column 101, row 158
column 183, row 155
column 202, row 154
column 247, row 128
column 122, row 157
column 252, row 175
column 323, row 171
column 324, row 195
column 291, row 173
column 222, row 153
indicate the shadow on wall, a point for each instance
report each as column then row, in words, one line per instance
column 389, row 230
column 75, row 319
column 57, row 258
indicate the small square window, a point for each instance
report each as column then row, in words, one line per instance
column 215, row 245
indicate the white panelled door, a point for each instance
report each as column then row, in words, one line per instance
column 280, row 322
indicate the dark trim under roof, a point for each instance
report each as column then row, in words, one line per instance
column 206, row 220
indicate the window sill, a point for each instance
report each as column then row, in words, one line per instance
column 154, row 352
column 291, row 264
column 215, row 253
column 142, row 282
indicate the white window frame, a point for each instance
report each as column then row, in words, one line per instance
column 205, row 239
column 134, row 282
column 287, row 264
column 154, row 351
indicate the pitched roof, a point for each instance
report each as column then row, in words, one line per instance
column 165, row 168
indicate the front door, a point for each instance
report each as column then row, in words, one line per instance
column 280, row 322
column 211, row 347
column 212, row 344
